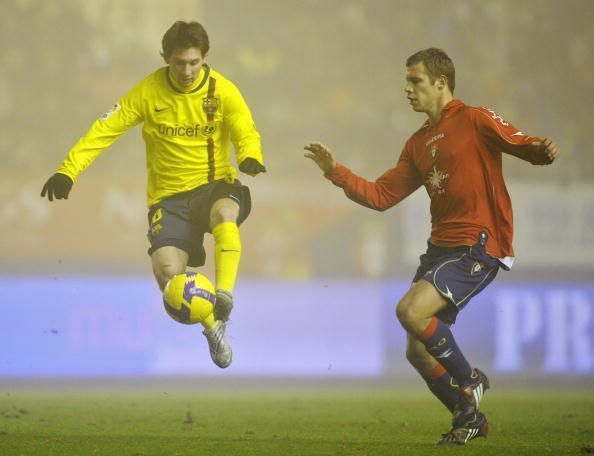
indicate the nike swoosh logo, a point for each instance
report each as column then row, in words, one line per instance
column 446, row 354
column 449, row 294
column 518, row 133
column 161, row 110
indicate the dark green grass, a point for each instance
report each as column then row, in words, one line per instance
column 283, row 422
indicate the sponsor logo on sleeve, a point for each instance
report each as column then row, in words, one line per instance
column 496, row 117
column 115, row 108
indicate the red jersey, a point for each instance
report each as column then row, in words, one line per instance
column 460, row 164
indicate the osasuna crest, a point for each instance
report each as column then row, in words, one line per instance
column 210, row 105
column 476, row 268
column 434, row 151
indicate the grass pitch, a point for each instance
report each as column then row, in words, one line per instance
column 283, row 421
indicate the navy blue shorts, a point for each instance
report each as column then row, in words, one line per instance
column 458, row 273
column 181, row 220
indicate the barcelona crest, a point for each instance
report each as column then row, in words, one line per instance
column 210, row 105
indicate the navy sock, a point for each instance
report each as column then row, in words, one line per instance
column 440, row 343
column 443, row 386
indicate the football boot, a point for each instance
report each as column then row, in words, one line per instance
column 469, row 398
column 220, row 350
column 473, row 429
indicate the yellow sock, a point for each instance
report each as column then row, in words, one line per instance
column 209, row 321
column 227, row 254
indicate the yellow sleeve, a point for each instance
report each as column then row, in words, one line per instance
column 238, row 118
column 104, row 131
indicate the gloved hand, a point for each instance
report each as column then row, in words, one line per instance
column 251, row 166
column 58, row 185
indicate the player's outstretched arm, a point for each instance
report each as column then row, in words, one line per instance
column 547, row 146
column 321, row 155
column 58, row 185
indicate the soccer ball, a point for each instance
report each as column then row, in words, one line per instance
column 189, row 298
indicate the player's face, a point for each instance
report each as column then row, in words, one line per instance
column 184, row 65
column 422, row 94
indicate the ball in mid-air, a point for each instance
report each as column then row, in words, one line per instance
column 189, row 298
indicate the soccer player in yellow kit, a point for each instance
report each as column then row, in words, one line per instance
column 191, row 115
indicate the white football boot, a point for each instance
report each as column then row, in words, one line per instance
column 220, row 350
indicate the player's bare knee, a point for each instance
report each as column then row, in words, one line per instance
column 161, row 279
column 404, row 312
column 225, row 210
column 164, row 272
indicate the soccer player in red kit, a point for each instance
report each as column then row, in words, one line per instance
column 457, row 156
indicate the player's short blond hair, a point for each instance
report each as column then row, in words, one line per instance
column 437, row 63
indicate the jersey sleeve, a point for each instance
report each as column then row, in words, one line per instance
column 389, row 189
column 104, row 131
column 238, row 118
column 502, row 136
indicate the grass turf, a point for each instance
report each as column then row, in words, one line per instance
column 284, row 422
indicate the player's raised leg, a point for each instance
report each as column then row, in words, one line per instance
column 169, row 261
column 223, row 223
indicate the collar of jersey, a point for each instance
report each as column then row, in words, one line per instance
column 455, row 103
column 175, row 87
column 452, row 105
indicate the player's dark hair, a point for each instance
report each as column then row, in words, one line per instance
column 437, row 63
column 184, row 35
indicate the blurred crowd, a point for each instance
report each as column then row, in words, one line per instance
column 328, row 70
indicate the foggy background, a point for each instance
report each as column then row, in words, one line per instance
column 328, row 70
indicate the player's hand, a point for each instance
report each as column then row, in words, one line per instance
column 548, row 147
column 251, row 166
column 58, row 185
column 321, row 155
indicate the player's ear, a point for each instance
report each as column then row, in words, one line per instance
column 164, row 57
column 442, row 82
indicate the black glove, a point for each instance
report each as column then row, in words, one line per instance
column 58, row 185
column 251, row 166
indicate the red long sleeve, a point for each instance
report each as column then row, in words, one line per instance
column 459, row 163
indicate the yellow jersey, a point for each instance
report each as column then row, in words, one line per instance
column 188, row 134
